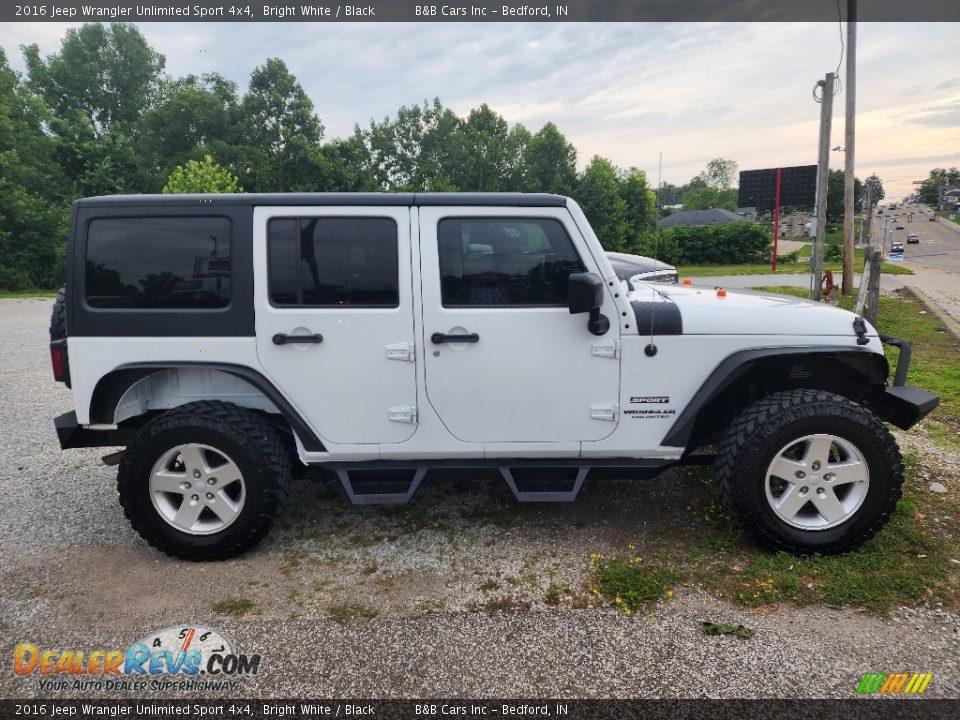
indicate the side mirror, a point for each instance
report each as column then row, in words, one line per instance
column 585, row 294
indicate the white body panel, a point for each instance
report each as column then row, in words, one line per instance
column 531, row 377
column 93, row 357
column 346, row 385
column 537, row 384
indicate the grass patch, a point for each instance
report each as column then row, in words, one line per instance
column 788, row 268
column 555, row 593
column 21, row 294
column 346, row 613
column 501, row 603
column 802, row 267
column 237, row 607
column 904, row 564
column 631, row 584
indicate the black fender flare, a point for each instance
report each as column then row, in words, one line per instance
column 112, row 386
column 734, row 366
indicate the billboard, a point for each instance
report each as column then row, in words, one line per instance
column 798, row 188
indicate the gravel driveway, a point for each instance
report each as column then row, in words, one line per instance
column 444, row 597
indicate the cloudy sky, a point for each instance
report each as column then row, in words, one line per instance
column 626, row 91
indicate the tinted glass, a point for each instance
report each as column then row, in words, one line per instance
column 505, row 261
column 322, row 262
column 158, row 262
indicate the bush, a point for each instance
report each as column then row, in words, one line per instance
column 833, row 251
column 15, row 279
column 730, row 244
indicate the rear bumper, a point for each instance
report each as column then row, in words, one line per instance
column 72, row 435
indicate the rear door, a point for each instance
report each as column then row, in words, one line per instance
column 505, row 360
column 335, row 317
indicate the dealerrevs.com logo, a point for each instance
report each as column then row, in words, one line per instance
column 180, row 657
column 894, row 683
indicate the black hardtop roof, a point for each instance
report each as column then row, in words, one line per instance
column 328, row 199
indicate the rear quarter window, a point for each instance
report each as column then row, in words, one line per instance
column 158, row 262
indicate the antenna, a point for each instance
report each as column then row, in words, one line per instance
column 651, row 349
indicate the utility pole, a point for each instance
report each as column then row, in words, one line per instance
column 849, row 143
column 823, row 170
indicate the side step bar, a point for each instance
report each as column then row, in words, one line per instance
column 368, row 490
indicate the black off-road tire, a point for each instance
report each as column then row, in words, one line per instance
column 243, row 435
column 768, row 425
column 58, row 317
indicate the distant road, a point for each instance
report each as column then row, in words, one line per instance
column 939, row 247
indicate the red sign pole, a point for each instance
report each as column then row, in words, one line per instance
column 776, row 223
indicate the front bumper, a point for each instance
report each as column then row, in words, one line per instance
column 901, row 404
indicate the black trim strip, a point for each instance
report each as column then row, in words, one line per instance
column 205, row 202
column 111, row 387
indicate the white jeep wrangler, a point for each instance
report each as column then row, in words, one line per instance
column 226, row 340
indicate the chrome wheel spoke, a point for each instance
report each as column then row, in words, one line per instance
column 787, row 469
column 818, row 450
column 225, row 474
column 827, row 504
column 170, row 481
column 847, row 472
column 225, row 508
column 188, row 513
column 791, row 501
column 193, row 459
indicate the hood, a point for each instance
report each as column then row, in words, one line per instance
column 626, row 265
column 743, row 312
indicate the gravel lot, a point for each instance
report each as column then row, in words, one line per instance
column 74, row 575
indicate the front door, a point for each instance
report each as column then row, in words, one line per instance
column 505, row 360
column 335, row 317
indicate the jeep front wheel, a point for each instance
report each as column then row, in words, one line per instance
column 205, row 480
column 809, row 471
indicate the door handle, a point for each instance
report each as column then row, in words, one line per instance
column 440, row 338
column 284, row 339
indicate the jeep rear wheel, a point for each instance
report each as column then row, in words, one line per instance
column 809, row 471
column 204, row 481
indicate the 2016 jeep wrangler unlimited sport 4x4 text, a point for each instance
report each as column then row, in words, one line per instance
column 226, row 340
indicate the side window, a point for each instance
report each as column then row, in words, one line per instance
column 158, row 262
column 505, row 261
column 333, row 262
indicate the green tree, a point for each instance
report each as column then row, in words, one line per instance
column 703, row 198
column 878, row 192
column 938, row 178
column 720, row 174
column 102, row 75
column 33, row 190
column 280, row 134
column 835, row 195
column 598, row 193
column 202, row 177
column 192, row 115
column 413, row 151
column 551, row 162
column 641, row 214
